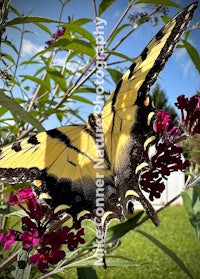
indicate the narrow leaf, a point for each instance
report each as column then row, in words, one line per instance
column 125, row 57
column 160, row 2
column 81, row 99
column 119, row 230
column 104, row 5
column 17, row 213
column 10, row 58
column 83, row 32
column 8, row 43
column 80, row 46
column 58, row 78
column 82, row 21
column 165, row 18
column 30, row 19
column 188, row 204
column 167, row 251
column 86, row 89
column 15, row 11
column 37, row 81
column 193, row 53
column 15, row 108
column 44, row 28
column 115, row 75
column 191, row 200
column 116, row 261
column 197, row 189
column 111, row 261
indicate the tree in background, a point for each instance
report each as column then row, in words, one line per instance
column 160, row 99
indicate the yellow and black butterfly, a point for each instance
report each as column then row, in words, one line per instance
column 73, row 170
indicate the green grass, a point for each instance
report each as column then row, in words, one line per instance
column 175, row 232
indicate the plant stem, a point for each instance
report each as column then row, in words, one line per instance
column 9, row 261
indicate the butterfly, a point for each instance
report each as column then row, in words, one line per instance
column 92, row 170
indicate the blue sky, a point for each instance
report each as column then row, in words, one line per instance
column 179, row 75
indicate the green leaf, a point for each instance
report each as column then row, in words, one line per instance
column 43, row 27
column 160, row 2
column 3, row 110
column 30, row 19
column 17, row 213
column 28, row 62
column 23, row 267
column 117, row 231
column 115, row 75
column 165, row 18
column 86, row 89
column 86, row 273
column 10, row 58
column 82, row 21
column 81, row 99
column 15, row 11
column 188, row 204
column 8, row 43
column 80, row 46
column 167, row 251
column 37, row 81
column 111, row 261
column 197, row 189
column 115, row 261
column 193, row 53
column 104, row 5
column 83, row 32
column 15, row 108
column 125, row 57
column 58, row 78
column 191, row 200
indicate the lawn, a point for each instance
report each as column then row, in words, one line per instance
column 175, row 232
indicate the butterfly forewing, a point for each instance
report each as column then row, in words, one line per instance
column 120, row 111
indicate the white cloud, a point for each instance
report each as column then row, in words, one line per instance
column 187, row 67
column 180, row 54
column 71, row 66
column 29, row 48
column 59, row 61
column 141, row 8
column 182, row 58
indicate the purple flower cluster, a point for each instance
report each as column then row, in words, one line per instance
column 168, row 156
column 56, row 35
column 36, row 232
column 190, row 113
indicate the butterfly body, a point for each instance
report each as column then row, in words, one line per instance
column 67, row 165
